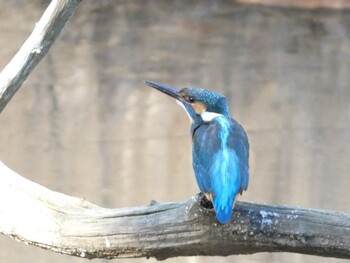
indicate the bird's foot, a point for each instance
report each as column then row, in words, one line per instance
column 204, row 202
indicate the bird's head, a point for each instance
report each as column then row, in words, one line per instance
column 200, row 104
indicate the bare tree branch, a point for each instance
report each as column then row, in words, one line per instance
column 35, row 215
column 35, row 47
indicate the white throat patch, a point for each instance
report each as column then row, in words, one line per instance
column 182, row 106
column 209, row 116
column 206, row 115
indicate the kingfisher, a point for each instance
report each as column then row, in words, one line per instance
column 220, row 148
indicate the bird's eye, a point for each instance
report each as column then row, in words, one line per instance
column 191, row 99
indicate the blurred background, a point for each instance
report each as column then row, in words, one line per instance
column 85, row 124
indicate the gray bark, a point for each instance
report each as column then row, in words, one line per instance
column 35, row 47
column 35, row 215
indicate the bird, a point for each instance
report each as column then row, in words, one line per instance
column 220, row 147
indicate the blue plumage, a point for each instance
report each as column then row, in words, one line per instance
column 220, row 162
column 220, row 147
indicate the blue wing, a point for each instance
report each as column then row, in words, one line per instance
column 220, row 161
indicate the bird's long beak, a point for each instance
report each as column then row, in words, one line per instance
column 172, row 92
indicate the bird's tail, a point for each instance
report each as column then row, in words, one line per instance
column 223, row 208
column 226, row 182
